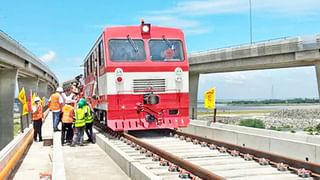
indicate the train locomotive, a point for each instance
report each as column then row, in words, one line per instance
column 136, row 78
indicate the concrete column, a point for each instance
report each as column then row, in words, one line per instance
column 8, row 80
column 43, row 89
column 193, row 94
column 317, row 67
column 29, row 83
column 50, row 90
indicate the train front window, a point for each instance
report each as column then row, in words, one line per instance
column 166, row 50
column 127, row 50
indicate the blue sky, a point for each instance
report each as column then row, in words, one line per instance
column 62, row 32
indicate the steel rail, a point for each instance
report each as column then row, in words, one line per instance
column 293, row 164
column 194, row 169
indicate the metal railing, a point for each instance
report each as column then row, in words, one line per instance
column 272, row 46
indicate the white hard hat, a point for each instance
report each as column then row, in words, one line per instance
column 68, row 100
column 59, row 89
column 37, row 99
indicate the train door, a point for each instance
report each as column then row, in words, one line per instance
column 99, row 100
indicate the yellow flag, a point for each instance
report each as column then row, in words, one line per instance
column 33, row 97
column 43, row 101
column 209, row 98
column 24, row 109
column 22, row 96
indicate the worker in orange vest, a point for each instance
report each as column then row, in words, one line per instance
column 37, row 117
column 55, row 105
column 67, row 121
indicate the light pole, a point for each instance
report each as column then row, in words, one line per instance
column 250, row 22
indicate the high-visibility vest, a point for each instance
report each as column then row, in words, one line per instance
column 79, row 118
column 88, row 118
column 68, row 112
column 55, row 102
column 38, row 115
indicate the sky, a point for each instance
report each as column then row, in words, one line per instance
column 62, row 32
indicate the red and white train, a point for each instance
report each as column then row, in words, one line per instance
column 136, row 78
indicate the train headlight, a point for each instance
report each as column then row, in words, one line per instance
column 145, row 28
column 178, row 71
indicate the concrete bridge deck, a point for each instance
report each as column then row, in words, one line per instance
column 65, row 162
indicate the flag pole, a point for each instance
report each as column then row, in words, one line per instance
column 21, row 118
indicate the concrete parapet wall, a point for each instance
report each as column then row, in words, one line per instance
column 11, row 149
column 283, row 135
column 260, row 139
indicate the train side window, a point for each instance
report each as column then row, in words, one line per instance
column 90, row 63
column 85, row 69
column 88, row 66
column 101, row 54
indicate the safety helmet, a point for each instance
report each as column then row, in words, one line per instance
column 81, row 104
column 59, row 89
column 84, row 100
column 37, row 99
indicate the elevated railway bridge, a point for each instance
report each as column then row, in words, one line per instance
column 201, row 151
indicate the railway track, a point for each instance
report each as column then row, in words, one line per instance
column 175, row 155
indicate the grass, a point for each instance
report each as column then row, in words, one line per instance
column 313, row 130
column 16, row 126
column 236, row 112
column 255, row 123
column 283, row 128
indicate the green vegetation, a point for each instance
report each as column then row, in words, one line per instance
column 275, row 101
column 234, row 112
column 283, row 128
column 255, row 123
column 16, row 126
column 313, row 130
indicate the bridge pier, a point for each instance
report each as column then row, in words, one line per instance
column 29, row 84
column 8, row 80
column 317, row 67
column 193, row 94
column 43, row 89
column 50, row 90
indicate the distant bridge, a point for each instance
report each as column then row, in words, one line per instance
column 283, row 53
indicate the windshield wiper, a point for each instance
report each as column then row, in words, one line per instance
column 169, row 44
column 134, row 46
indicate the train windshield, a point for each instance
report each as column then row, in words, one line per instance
column 166, row 50
column 127, row 50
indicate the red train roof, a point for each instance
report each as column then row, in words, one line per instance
column 135, row 32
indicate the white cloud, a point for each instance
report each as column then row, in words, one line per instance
column 49, row 56
column 209, row 7
column 235, row 77
column 76, row 59
column 288, row 7
column 190, row 26
column 186, row 14
column 206, row 7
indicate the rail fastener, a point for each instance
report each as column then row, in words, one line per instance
column 302, row 168
column 174, row 160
